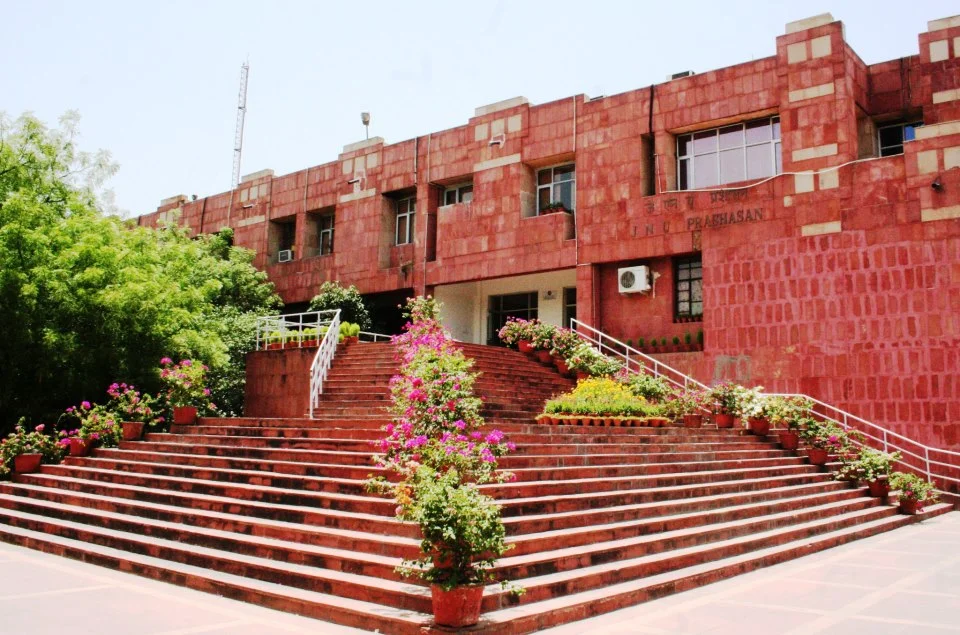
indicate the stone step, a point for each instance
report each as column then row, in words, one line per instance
column 579, row 602
column 340, row 610
column 300, row 514
column 362, row 541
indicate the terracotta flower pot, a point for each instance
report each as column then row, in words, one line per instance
column 184, row 415
column 724, row 420
column 131, row 430
column 458, row 607
column 353, row 339
column 27, row 463
column 692, row 421
column 879, row 488
column 308, row 343
column 817, row 456
column 581, row 375
column 909, row 506
column 79, row 447
column 561, row 365
column 525, row 346
column 544, row 357
column 789, row 440
column 759, row 426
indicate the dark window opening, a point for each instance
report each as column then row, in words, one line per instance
column 406, row 220
column 504, row 307
column 325, row 234
column 688, row 289
column 569, row 306
column 893, row 136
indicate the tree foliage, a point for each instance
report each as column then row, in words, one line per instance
column 86, row 298
column 333, row 296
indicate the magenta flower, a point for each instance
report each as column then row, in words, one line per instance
column 186, row 362
column 85, row 405
column 165, row 361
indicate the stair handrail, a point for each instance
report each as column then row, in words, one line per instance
column 290, row 326
column 324, row 359
column 369, row 336
column 887, row 441
column 634, row 360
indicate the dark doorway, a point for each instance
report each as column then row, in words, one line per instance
column 503, row 307
column 386, row 312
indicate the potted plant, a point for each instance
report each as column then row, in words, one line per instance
column 653, row 388
column 565, row 342
column 824, row 438
column 552, row 208
column 185, row 389
column 600, row 400
column 786, row 412
column 641, row 343
column 914, row 492
column 754, row 408
column 728, row 401
column 24, row 451
column 542, row 340
column 349, row 333
column 871, row 466
column 687, row 405
column 308, row 337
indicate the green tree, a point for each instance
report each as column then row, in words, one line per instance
column 333, row 296
column 87, row 299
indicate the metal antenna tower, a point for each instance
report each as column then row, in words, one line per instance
column 241, row 115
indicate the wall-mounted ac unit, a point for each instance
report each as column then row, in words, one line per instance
column 633, row 279
column 285, row 255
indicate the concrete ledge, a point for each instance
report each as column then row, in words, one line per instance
column 819, row 229
column 354, row 196
column 943, row 23
column 253, row 220
column 500, row 105
column 816, row 152
column 809, row 23
column 496, row 163
column 938, row 130
column 360, row 145
column 940, row 213
column 946, row 95
column 820, row 90
column 253, row 176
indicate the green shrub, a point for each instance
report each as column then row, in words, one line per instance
column 912, row 487
column 601, row 397
column 650, row 387
column 334, row 296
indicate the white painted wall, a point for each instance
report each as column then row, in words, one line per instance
column 465, row 305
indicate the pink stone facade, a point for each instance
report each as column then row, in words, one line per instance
column 840, row 277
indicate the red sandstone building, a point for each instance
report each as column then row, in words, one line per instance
column 802, row 210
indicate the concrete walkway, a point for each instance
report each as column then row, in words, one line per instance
column 907, row 581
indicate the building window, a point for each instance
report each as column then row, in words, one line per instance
column 556, row 188
column 893, row 136
column 504, row 307
column 325, row 234
column 740, row 152
column 688, row 289
column 569, row 306
column 457, row 194
column 406, row 219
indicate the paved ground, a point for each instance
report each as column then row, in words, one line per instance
column 904, row 582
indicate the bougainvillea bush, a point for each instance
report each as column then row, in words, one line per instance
column 185, row 384
column 438, row 452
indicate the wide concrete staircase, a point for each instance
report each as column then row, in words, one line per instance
column 274, row 511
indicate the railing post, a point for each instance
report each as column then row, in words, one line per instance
column 926, row 456
column 886, row 445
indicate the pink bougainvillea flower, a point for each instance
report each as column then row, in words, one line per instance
column 85, row 405
column 165, row 361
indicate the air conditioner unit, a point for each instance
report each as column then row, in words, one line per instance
column 285, row 255
column 633, row 279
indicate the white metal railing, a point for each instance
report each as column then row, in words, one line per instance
column 634, row 360
column 931, row 462
column 367, row 336
column 323, row 359
column 294, row 330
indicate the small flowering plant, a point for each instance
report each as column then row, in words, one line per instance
column 185, row 383
column 541, row 336
column 733, row 399
column 564, row 343
column 913, row 488
column 128, row 404
column 686, row 402
column 33, row 442
column 588, row 360
column 92, row 423
column 516, row 329
column 825, row 435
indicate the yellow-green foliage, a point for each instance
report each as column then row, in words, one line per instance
column 601, row 396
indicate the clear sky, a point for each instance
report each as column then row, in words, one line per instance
column 156, row 83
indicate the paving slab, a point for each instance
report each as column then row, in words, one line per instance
column 903, row 582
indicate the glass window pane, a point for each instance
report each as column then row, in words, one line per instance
column 759, row 161
column 411, row 228
column 563, row 173
column 450, row 197
column 683, row 145
column 563, row 192
column 705, row 142
column 543, row 177
column 731, row 166
column 776, row 127
column 891, row 136
column 401, row 230
column 696, row 308
column 697, row 291
column 326, row 243
column 758, row 131
column 412, row 204
column 731, row 137
column 705, row 171
column 543, row 198
column 890, row 151
column 685, row 176
column 466, row 194
column 777, row 159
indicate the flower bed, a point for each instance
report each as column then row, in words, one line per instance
column 589, row 420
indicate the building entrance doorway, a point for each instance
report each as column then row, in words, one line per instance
column 503, row 307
